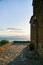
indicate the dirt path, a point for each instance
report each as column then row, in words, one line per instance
column 10, row 54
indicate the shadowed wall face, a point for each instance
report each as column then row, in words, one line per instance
column 37, row 31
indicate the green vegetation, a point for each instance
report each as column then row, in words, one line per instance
column 3, row 42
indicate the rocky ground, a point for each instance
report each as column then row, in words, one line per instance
column 15, row 55
column 27, row 58
column 10, row 54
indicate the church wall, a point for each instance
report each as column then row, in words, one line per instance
column 39, row 16
column 38, row 12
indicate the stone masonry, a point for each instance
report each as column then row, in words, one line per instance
column 36, row 23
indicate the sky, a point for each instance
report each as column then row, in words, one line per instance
column 14, row 17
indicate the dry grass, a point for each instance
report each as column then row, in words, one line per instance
column 5, row 47
column 10, row 53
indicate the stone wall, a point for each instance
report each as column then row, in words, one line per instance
column 38, row 12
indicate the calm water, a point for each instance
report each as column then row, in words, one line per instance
column 14, row 38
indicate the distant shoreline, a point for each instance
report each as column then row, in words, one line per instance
column 14, row 39
column 21, row 42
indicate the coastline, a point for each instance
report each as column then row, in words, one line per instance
column 14, row 38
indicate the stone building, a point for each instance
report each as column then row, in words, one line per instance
column 36, row 23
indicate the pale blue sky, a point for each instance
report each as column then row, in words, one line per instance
column 15, row 14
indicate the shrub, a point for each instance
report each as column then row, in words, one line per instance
column 2, row 42
column 31, row 46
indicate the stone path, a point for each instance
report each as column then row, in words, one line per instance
column 15, row 56
column 10, row 54
column 23, row 60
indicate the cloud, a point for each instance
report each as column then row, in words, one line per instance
column 13, row 32
column 2, row 29
column 10, row 29
column 17, row 30
column 13, row 29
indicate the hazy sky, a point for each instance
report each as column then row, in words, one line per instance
column 14, row 17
